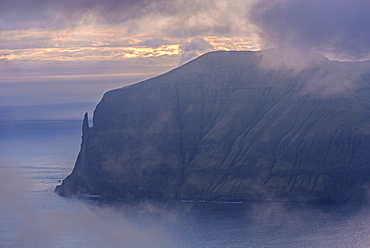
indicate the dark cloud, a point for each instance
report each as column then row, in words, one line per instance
column 61, row 14
column 18, row 14
column 340, row 27
column 176, row 18
column 154, row 42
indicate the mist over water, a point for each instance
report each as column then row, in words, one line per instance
column 36, row 155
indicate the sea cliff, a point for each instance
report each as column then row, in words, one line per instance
column 225, row 128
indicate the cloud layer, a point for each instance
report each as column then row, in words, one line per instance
column 177, row 18
column 113, row 29
column 339, row 28
column 336, row 28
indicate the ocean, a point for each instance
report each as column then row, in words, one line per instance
column 35, row 155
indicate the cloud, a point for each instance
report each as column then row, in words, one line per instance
column 301, row 31
column 194, row 48
column 337, row 27
column 157, row 26
column 68, row 13
column 177, row 18
column 91, row 53
column 196, row 44
column 154, row 42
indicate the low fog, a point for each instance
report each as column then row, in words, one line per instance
column 30, row 224
column 26, row 222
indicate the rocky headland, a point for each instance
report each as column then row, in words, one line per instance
column 226, row 127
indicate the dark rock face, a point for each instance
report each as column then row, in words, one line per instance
column 223, row 128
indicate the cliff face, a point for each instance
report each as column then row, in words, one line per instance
column 224, row 128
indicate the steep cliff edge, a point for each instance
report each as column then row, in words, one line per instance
column 224, row 128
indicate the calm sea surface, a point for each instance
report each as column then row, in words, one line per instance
column 36, row 155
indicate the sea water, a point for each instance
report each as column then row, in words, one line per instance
column 36, row 155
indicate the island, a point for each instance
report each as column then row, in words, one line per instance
column 224, row 127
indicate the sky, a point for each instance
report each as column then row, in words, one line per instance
column 67, row 53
